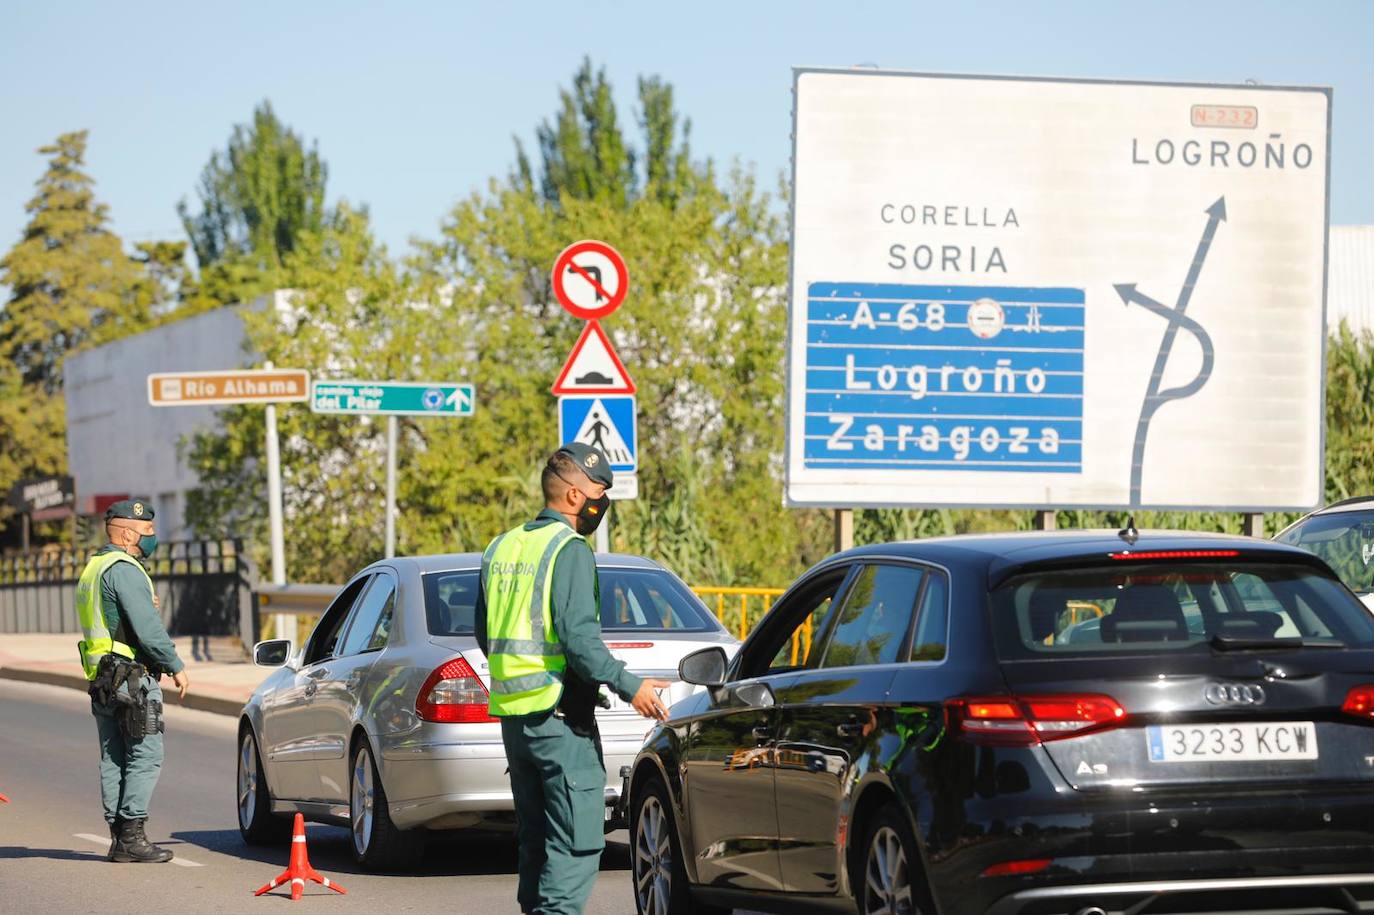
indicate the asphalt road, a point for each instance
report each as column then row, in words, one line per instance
column 48, row 769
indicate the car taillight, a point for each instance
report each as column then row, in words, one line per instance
column 1023, row 721
column 453, row 693
column 1359, row 702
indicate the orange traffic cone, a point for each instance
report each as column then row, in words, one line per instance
column 3, row 799
column 299, row 870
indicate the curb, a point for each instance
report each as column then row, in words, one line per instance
column 210, row 704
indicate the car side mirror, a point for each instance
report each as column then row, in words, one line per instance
column 704, row 667
column 272, row 653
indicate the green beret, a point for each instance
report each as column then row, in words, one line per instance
column 591, row 461
column 131, row 509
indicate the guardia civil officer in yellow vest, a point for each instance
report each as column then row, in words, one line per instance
column 538, row 622
column 125, row 650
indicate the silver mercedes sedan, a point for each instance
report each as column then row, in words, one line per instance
column 379, row 722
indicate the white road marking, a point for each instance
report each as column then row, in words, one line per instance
column 105, row 841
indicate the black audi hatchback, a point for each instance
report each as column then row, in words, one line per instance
column 1069, row 723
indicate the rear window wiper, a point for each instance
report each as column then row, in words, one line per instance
column 1241, row 643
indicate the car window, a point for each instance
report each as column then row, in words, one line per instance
column 648, row 601
column 1152, row 607
column 932, row 620
column 325, row 636
column 872, row 625
column 789, row 635
column 367, row 615
column 1344, row 539
column 451, row 602
column 645, row 601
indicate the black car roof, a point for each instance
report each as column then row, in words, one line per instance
column 1002, row 555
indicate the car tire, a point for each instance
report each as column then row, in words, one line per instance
column 257, row 824
column 377, row 843
column 658, row 876
column 888, row 873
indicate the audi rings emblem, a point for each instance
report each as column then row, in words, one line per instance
column 1235, row 694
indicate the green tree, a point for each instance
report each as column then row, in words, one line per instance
column 257, row 197
column 71, row 285
column 702, row 333
column 70, row 281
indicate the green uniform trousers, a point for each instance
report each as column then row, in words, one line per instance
column 128, row 768
column 558, row 779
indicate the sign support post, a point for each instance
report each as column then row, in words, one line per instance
column 392, row 399
column 390, row 486
column 268, row 386
column 844, row 529
column 285, row 622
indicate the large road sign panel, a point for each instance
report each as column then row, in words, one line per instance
column 593, row 367
column 590, row 279
column 198, row 389
column 607, row 423
column 396, row 398
column 1088, row 316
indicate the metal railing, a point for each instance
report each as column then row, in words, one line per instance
column 739, row 608
column 203, row 588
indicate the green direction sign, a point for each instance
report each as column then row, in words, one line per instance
column 398, row 398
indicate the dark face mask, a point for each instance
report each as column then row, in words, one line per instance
column 592, row 511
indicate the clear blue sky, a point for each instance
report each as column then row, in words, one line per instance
column 415, row 104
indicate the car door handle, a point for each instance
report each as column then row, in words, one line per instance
column 762, row 733
column 850, row 729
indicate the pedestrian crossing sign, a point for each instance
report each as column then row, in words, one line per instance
column 607, row 423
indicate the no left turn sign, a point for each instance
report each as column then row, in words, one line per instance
column 590, row 279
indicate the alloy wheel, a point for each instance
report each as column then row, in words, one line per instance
column 360, row 809
column 653, row 864
column 887, row 878
column 248, row 779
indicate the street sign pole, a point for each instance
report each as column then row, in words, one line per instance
column 285, row 622
column 390, row 486
column 603, row 535
column 392, row 399
column 269, row 387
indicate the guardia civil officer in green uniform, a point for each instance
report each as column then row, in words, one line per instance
column 538, row 621
column 125, row 650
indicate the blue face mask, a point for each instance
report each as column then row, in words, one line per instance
column 147, row 544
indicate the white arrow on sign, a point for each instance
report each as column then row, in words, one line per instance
column 458, row 399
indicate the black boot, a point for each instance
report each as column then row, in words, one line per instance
column 114, row 839
column 133, row 846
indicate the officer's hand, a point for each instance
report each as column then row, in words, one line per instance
column 646, row 701
column 182, row 682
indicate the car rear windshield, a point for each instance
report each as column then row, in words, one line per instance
column 632, row 600
column 1167, row 608
column 1345, row 540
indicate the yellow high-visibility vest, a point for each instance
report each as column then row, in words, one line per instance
column 525, row 657
column 90, row 610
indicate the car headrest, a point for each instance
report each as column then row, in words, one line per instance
column 1145, row 613
column 1254, row 624
column 1043, row 613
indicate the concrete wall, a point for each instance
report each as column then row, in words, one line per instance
column 116, row 441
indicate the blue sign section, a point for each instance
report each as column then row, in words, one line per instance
column 607, row 423
column 983, row 378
